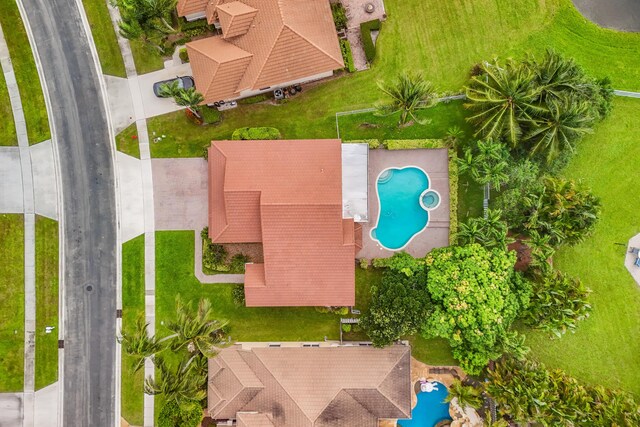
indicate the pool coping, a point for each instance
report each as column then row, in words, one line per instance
column 429, row 188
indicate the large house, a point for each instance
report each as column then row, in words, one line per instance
column 288, row 195
column 333, row 386
column 264, row 45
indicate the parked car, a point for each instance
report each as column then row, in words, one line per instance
column 183, row 82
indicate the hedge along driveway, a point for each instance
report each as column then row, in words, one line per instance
column 35, row 110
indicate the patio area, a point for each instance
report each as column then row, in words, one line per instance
column 436, row 164
column 357, row 14
column 632, row 258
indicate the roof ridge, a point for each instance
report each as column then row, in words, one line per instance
column 281, row 386
column 331, row 401
column 266, row 58
column 378, row 387
column 312, row 44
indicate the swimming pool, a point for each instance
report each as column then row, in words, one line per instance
column 430, row 410
column 404, row 202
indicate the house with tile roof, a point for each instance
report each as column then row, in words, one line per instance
column 288, row 196
column 264, row 45
column 323, row 386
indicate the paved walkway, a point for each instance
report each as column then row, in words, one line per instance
column 28, row 399
column 627, row 93
column 630, row 259
column 148, row 207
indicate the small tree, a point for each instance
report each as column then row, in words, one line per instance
column 490, row 232
column 182, row 384
column 138, row 344
column 466, row 395
column 487, row 162
column 407, row 95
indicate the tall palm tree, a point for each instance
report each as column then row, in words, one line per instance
column 558, row 76
column 181, row 385
column 197, row 332
column 467, row 396
column 411, row 92
column 138, row 344
column 503, row 99
column 189, row 98
column 559, row 127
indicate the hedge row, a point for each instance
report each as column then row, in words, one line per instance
column 367, row 41
column 347, row 56
column 373, row 143
column 256, row 133
column 408, row 144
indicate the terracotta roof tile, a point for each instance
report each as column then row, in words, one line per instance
column 287, row 195
column 328, row 386
column 253, row 419
column 289, row 40
column 187, row 7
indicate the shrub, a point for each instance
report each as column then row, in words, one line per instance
column 257, row 133
column 184, row 56
column 408, row 144
column 364, row 263
column 346, row 327
column 342, row 311
column 237, row 263
column 213, row 255
column 254, row 99
column 372, row 143
column 237, row 294
column 190, row 25
column 339, row 16
column 173, row 415
column 367, row 41
column 401, row 262
column 453, row 196
column 210, row 115
column 347, row 56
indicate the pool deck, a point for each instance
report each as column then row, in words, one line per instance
column 435, row 163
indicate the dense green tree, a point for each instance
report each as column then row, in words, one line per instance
column 487, row 162
column 526, row 391
column 557, row 304
column 401, row 262
column 407, row 95
column 490, row 231
column 398, row 307
column 476, row 295
column 503, row 99
column 146, row 20
column 560, row 209
column 522, row 179
column 466, row 395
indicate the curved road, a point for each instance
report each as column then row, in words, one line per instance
column 623, row 15
column 89, row 210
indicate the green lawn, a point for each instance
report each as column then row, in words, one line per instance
column 7, row 125
column 146, row 58
column 24, row 65
column 104, row 36
column 126, row 142
column 132, row 307
column 606, row 348
column 47, row 268
column 12, row 297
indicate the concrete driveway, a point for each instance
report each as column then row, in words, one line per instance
column 180, row 193
column 623, row 15
column 11, row 408
column 154, row 106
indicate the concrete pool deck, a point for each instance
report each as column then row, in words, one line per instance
column 435, row 163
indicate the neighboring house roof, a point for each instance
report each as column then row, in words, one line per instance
column 286, row 195
column 286, row 40
column 188, row 7
column 314, row 387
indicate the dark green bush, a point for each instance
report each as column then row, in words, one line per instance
column 347, row 56
column 190, row 25
column 210, row 115
column 237, row 294
column 263, row 133
column 255, row 99
column 184, row 56
column 172, row 415
column 213, row 255
column 346, row 327
column 238, row 261
column 339, row 16
column 367, row 41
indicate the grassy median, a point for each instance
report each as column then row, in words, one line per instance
column 104, row 37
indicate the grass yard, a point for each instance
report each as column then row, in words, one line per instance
column 104, row 36
column 7, row 126
column 132, row 307
column 126, row 142
column 605, row 349
column 47, row 268
column 146, row 58
column 12, row 297
column 35, row 111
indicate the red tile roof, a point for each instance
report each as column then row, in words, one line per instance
column 288, row 196
column 282, row 41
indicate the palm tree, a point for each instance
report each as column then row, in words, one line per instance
column 559, row 127
column 513, row 345
column 138, row 344
column 558, row 76
column 411, row 92
column 181, row 385
column 503, row 99
column 197, row 332
column 490, row 232
column 466, row 395
column 189, row 98
column 170, row 90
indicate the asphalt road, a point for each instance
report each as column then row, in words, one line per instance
column 623, row 15
column 88, row 208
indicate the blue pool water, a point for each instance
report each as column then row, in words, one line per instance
column 430, row 410
column 404, row 206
